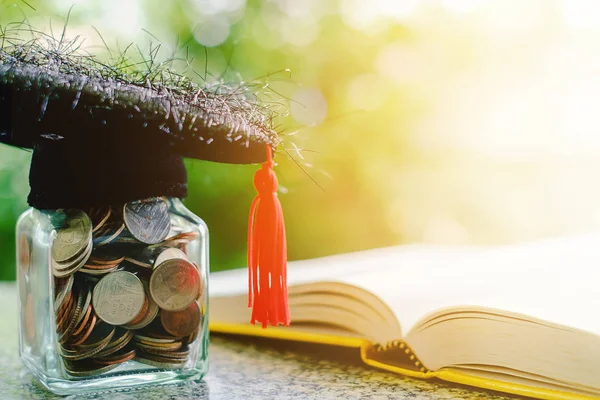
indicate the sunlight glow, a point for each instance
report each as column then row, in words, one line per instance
column 309, row 106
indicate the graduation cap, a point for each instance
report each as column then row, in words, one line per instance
column 101, row 136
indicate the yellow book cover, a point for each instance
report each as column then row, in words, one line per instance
column 519, row 319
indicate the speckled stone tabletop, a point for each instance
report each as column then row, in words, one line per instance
column 246, row 369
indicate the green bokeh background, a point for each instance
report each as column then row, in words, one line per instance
column 437, row 121
column 322, row 218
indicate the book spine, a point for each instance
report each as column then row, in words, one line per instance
column 398, row 353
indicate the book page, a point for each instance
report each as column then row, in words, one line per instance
column 557, row 280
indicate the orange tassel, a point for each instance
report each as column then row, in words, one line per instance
column 267, row 252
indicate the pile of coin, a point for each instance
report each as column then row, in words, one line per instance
column 124, row 290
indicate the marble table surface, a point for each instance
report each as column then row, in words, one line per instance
column 242, row 368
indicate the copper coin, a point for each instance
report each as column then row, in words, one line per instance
column 105, row 260
column 174, row 284
column 142, row 312
column 84, row 321
column 99, row 334
column 189, row 236
column 118, row 298
column 86, row 331
column 147, row 220
column 62, row 288
column 183, row 322
column 87, row 291
column 28, row 320
column 192, row 338
column 74, row 317
column 63, row 315
column 24, row 254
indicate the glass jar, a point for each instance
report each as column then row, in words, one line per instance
column 113, row 297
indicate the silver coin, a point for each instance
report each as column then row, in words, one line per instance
column 98, row 271
column 77, row 264
column 70, row 264
column 71, row 240
column 169, row 254
column 148, row 220
column 174, row 284
column 138, row 337
column 138, row 263
column 119, row 341
column 108, row 236
column 159, row 364
column 148, row 318
column 118, row 297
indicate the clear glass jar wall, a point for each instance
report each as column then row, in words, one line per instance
column 113, row 297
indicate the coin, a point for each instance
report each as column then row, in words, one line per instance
column 174, row 284
column 61, row 270
column 63, row 313
column 82, row 324
column 86, row 330
column 151, row 338
column 138, row 263
column 118, row 357
column 109, row 233
column 118, row 297
column 24, row 254
column 73, row 239
column 147, row 220
column 138, row 318
column 169, row 254
column 28, row 320
column 106, row 260
column 149, row 316
column 62, row 288
column 74, row 317
column 99, row 216
column 183, row 322
column 161, row 363
column 120, row 339
column 142, row 344
column 181, row 354
column 95, row 266
column 192, row 338
column 100, row 337
column 87, row 368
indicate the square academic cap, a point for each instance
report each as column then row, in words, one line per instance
column 102, row 136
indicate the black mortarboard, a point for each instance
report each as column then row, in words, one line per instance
column 93, row 126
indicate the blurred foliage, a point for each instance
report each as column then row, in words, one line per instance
column 221, row 194
column 438, row 120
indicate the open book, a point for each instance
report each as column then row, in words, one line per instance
column 523, row 319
